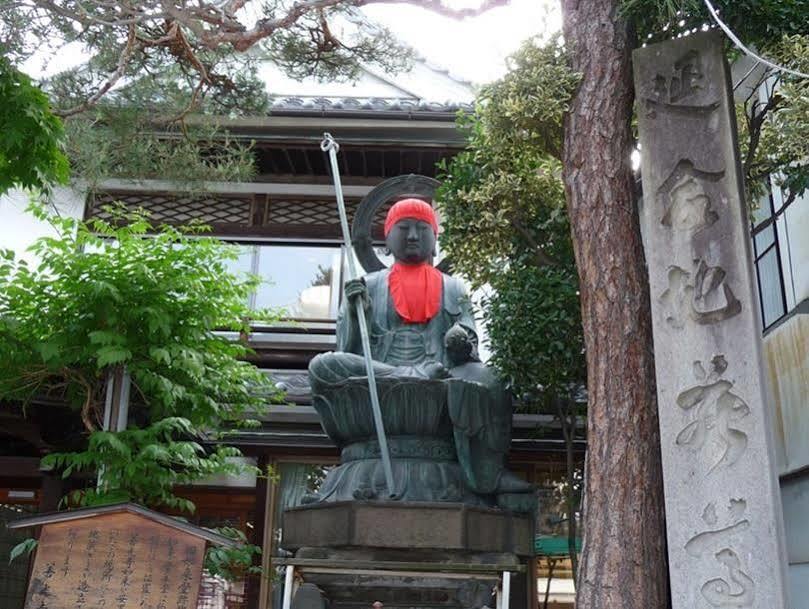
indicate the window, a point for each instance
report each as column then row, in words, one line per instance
column 770, row 237
column 770, row 279
column 303, row 280
column 295, row 480
column 294, row 243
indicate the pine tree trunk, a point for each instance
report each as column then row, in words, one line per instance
column 623, row 562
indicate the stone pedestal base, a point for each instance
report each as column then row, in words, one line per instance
column 406, row 555
column 356, row 579
column 411, row 526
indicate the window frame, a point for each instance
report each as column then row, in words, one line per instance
column 771, row 221
column 257, row 242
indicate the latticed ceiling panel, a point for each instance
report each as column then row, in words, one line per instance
column 307, row 211
column 239, row 212
column 177, row 209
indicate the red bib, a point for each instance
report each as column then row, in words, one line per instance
column 416, row 291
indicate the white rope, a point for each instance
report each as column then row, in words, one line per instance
column 746, row 50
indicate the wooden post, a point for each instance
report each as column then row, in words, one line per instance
column 259, row 522
column 267, row 549
column 116, row 404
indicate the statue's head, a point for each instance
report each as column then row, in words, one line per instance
column 411, row 229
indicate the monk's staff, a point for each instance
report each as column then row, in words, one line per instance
column 332, row 147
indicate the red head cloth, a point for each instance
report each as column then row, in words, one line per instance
column 411, row 208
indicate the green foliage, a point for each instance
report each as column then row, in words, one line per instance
column 535, row 328
column 309, row 48
column 505, row 224
column 144, row 464
column 121, row 142
column 784, row 148
column 159, row 125
column 149, row 299
column 24, row 548
column 31, row 136
column 524, row 109
column 503, row 195
column 756, row 22
column 232, row 563
column 773, row 132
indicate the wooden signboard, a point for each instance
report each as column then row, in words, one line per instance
column 116, row 559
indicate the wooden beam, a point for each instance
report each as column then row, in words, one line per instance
column 21, row 467
column 235, row 188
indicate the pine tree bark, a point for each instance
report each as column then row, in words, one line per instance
column 623, row 562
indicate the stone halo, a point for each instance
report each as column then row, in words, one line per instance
column 399, row 187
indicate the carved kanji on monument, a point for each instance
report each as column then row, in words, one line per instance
column 723, row 510
column 116, row 557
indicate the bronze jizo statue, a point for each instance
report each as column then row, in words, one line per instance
column 447, row 417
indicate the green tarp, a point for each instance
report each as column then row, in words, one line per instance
column 553, row 546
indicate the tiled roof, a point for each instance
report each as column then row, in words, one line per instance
column 376, row 104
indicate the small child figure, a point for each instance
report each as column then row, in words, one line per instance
column 464, row 362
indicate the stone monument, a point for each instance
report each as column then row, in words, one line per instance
column 723, row 509
column 447, row 420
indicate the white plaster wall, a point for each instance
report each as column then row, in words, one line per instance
column 19, row 229
column 245, row 480
column 421, row 82
column 795, row 498
column 786, row 350
column 799, row 586
column 797, row 254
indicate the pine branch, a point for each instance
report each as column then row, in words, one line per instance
column 123, row 62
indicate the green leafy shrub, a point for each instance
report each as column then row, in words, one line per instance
column 31, row 137
column 151, row 300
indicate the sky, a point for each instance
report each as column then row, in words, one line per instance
column 473, row 49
